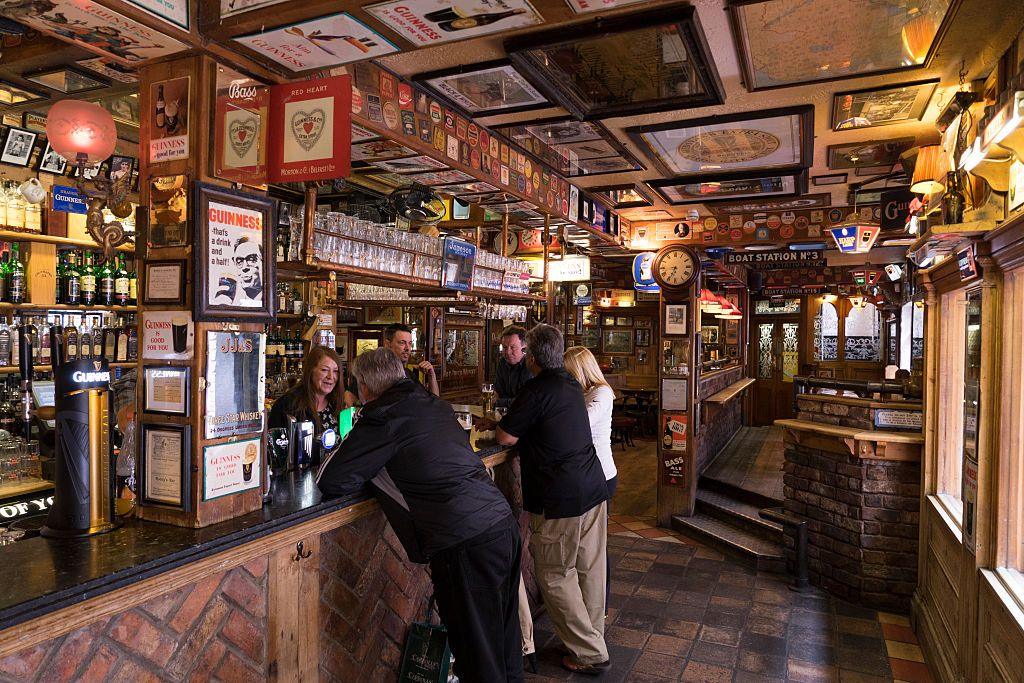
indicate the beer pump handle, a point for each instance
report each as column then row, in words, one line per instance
column 25, row 334
column 56, row 346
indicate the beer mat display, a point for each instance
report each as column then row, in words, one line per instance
column 164, row 282
column 319, row 43
column 311, row 129
column 231, row 467
column 168, row 120
column 426, row 22
column 165, row 390
column 464, row 145
column 167, row 335
column 94, row 27
column 164, row 467
column 235, row 383
column 234, row 280
column 240, row 128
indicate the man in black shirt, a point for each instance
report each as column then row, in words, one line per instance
column 444, row 508
column 512, row 372
column 398, row 338
column 565, row 493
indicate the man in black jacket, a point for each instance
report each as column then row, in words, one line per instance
column 512, row 372
column 565, row 493
column 444, row 508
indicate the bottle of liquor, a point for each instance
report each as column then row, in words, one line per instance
column 476, row 20
column 5, row 265
column 15, row 345
column 109, row 344
column 8, row 408
column 87, row 280
column 953, row 200
column 121, row 283
column 5, row 345
column 133, row 287
column 666, row 440
column 282, row 298
column 281, row 243
column 97, row 340
column 61, row 275
column 85, row 342
column 71, row 342
column 133, row 341
column 161, row 118
column 296, row 301
column 121, row 348
column 45, row 352
column 105, row 281
column 72, row 281
column 15, row 278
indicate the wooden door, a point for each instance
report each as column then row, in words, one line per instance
column 775, row 355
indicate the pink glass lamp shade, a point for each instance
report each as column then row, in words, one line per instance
column 76, row 128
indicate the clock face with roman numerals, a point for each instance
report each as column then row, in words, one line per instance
column 675, row 267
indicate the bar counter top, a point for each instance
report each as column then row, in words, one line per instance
column 41, row 575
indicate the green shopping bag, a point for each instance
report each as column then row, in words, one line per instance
column 426, row 657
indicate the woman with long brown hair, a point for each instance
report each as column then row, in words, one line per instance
column 318, row 397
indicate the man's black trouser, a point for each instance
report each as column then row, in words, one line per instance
column 477, row 589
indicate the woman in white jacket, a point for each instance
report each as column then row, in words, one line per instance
column 599, row 397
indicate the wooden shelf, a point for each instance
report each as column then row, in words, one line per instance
column 22, row 488
column 17, row 236
column 372, row 277
column 68, row 307
column 13, row 369
column 730, row 392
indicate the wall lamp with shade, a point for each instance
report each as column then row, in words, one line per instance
column 85, row 134
column 931, row 165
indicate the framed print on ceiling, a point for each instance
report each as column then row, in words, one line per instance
column 869, row 153
column 648, row 61
column 881, row 106
column 484, row 89
column 626, row 196
column 319, row 43
column 730, row 186
column 786, row 43
column 66, row 80
column 570, row 147
column 746, row 141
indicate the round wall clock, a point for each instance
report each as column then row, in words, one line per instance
column 675, row 267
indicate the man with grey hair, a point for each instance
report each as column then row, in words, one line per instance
column 565, row 493
column 444, row 508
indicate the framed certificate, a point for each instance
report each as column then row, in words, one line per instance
column 164, row 283
column 164, row 470
column 166, row 390
column 675, row 319
column 674, row 395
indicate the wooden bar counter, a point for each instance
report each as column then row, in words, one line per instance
column 304, row 589
column 853, row 472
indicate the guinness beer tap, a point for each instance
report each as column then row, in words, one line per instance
column 26, row 333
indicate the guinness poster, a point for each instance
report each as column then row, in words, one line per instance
column 235, row 383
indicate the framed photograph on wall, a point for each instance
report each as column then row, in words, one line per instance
column 18, row 146
column 617, row 342
column 164, row 467
column 51, row 162
column 168, row 211
column 165, row 390
column 234, row 278
column 164, row 282
column 676, row 319
column 592, row 338
column 643, row 337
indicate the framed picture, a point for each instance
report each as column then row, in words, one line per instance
column 643, row 322
column 234, row 279
column 66, row 79
column 676, row 321
column 318, row 43
column 231, row 467
column 829, row 179
column 608, row 321
column 627, row 196
column 732, row 332
column 34, row 121
column 623, row 321
column 235, row 383
column 168, row 211
column 379, row 150
column 709, row 334
column 164, row 468
column 18, row 146
column 570, row 147
column 881, row 106
column 783, row 44
column 621, row 65
column 591, row 338
column 643, row 337
column 51, row 162
column 781, row 139
column 428, row 22
column 120, row 166
column 617, row 342
column 416, row 164
column 882, row 153
column 164, row 282
column 674, row 394
column 484, row 89
column 166, row 390
column 731, row 186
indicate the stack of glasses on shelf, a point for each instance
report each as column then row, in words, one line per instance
column 15, row 212
column 19, row 460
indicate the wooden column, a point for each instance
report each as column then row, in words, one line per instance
column 201, row 71
column 549, row 295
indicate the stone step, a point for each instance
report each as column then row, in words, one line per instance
column 738, row 513
column 736, row 493
column 749, row 548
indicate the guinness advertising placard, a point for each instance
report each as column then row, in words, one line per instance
column 896, row 208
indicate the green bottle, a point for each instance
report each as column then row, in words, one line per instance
column 61, row 275
column 72, row 281
column 15, row 278
column 87, row 280
column 121, row 283
column 105, row 279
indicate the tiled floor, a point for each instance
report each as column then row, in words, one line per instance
column 680, row 611
column 753, row 461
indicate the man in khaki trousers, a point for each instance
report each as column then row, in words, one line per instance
column 565, row 493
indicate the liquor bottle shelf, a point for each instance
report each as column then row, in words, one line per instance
column 67, row 307
column 13, row 369
column 355, row 274
column 17, row 236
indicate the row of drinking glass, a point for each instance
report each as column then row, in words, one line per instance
column 343, row 225
column 19, row 460
column 348, row 252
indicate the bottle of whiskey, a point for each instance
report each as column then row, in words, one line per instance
column 15, row 278
column 87, row 280
column 133, row 286
column 72, row 281
column 476, row 20
column 161, row 117
column 121, row 283
column 71, row 342
column 105, row 277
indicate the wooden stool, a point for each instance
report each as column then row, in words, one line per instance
column 622, row 430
